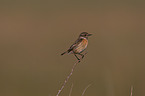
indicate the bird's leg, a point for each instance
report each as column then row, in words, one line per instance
column 76, row 56
column 85, row 53
column 82, row 55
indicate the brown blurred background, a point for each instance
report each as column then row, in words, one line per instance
column 33, row 34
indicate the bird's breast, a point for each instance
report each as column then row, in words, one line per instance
column 81, row 46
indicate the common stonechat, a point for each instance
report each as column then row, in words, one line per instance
column 79, row 46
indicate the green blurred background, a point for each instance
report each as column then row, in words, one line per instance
column 33, row 34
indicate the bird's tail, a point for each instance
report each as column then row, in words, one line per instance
column 64, row 53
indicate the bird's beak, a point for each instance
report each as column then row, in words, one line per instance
column 89, row 34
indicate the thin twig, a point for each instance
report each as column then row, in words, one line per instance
column 71, row 90
column 86, row 89
column 131, row 90
column 67, row 78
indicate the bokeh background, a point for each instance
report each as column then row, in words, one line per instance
column 33, row 34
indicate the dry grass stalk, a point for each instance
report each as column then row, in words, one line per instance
column 85, row 89
column 131, row 90
column 66, row 80
column 71, row 90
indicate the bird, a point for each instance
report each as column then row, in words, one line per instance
column 79, row 45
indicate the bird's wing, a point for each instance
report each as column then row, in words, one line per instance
column 75, row 44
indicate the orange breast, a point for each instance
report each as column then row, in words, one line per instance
column 82, row 46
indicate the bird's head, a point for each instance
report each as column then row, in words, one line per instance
column 85, row 34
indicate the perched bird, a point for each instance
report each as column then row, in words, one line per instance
column 79, row 46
